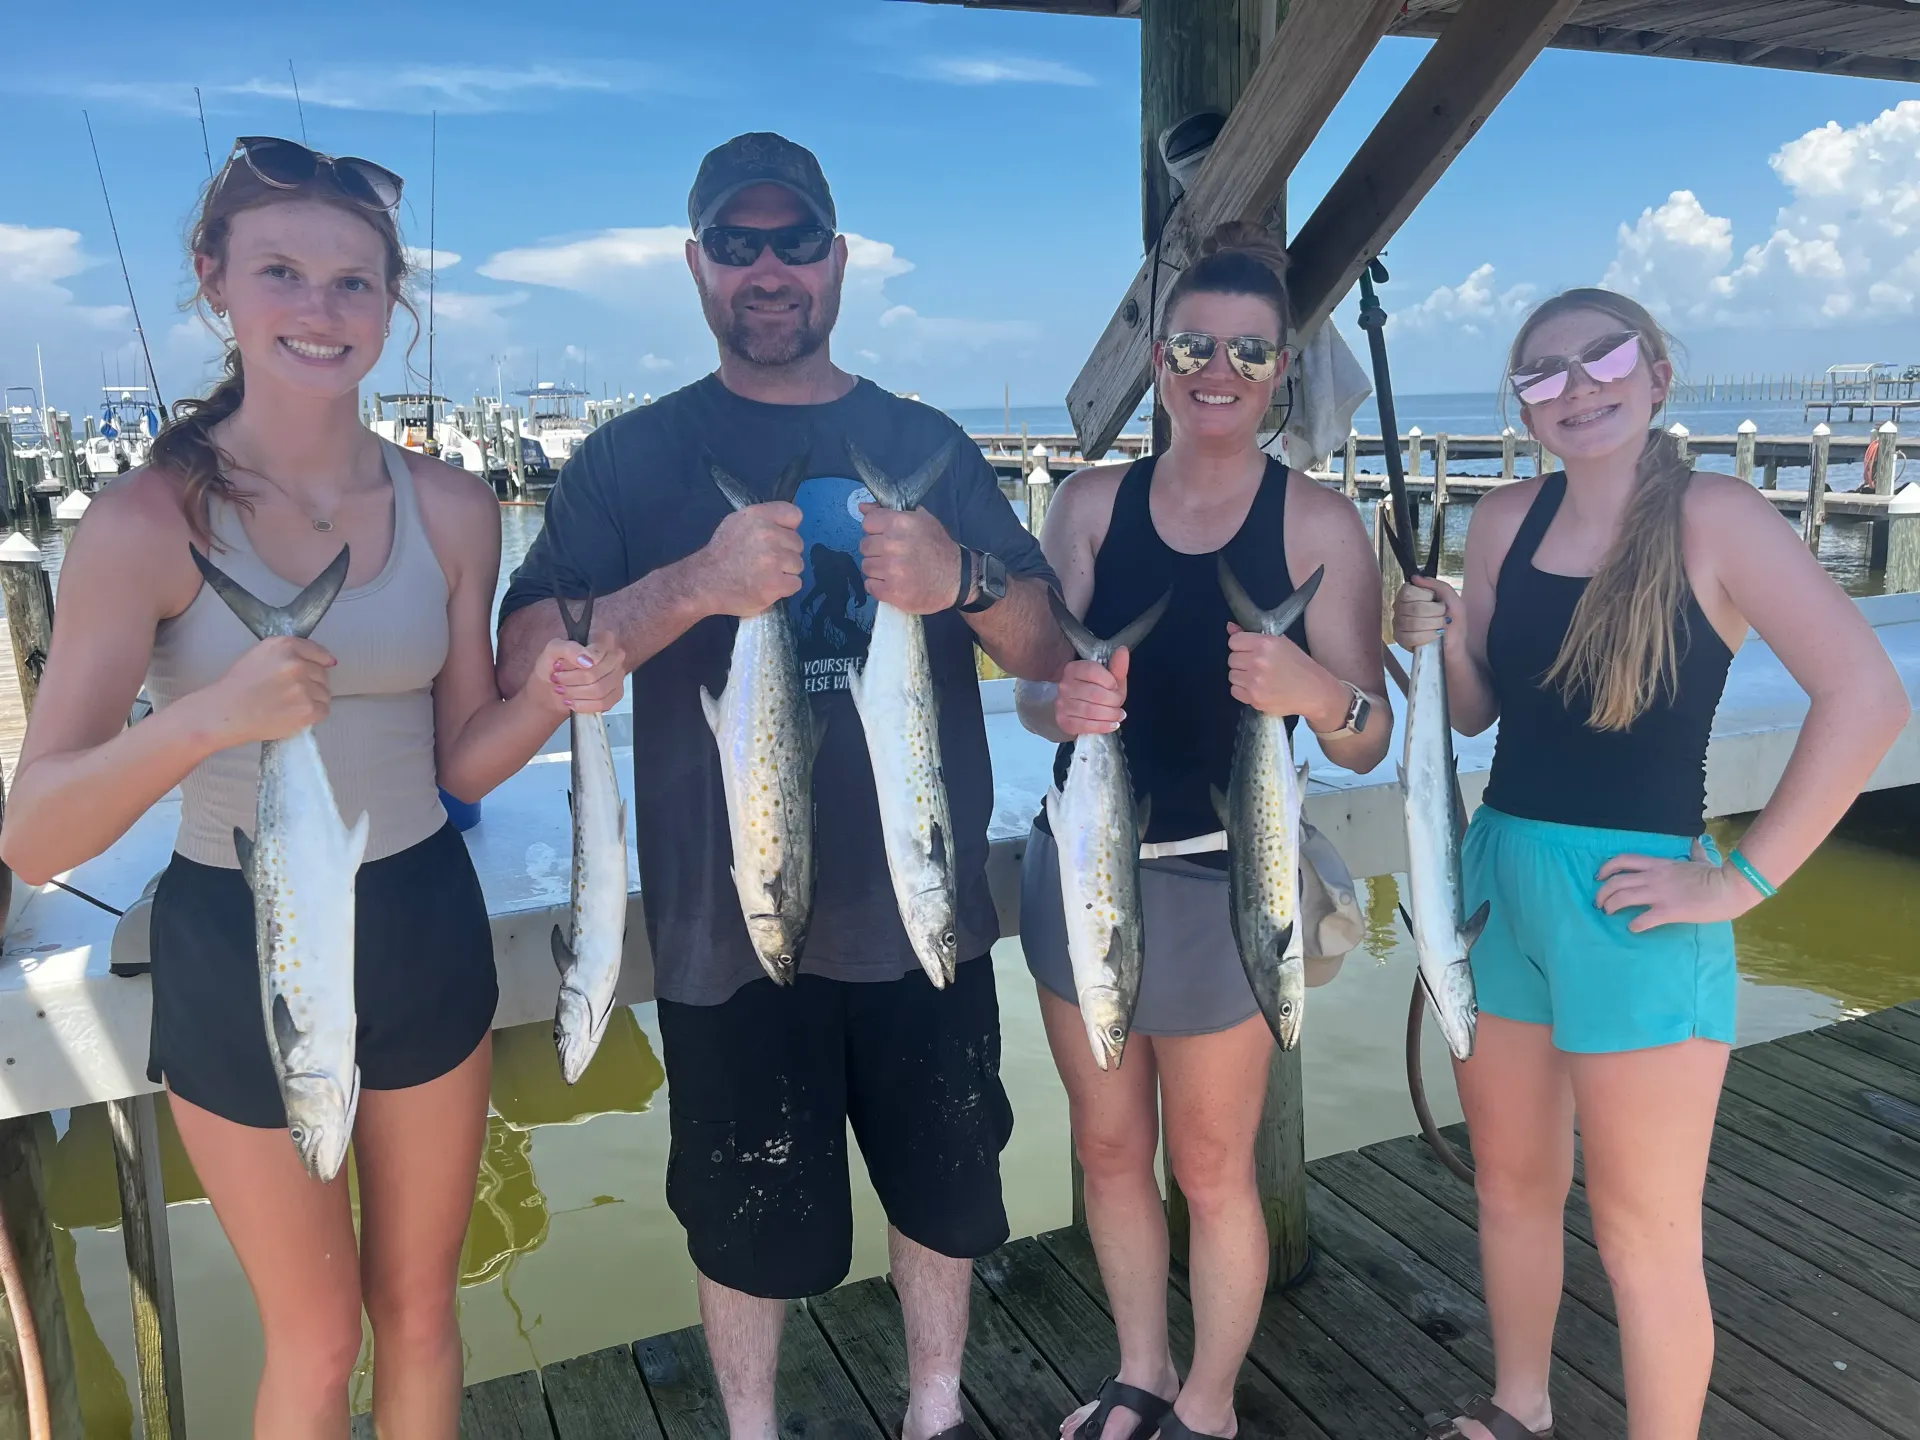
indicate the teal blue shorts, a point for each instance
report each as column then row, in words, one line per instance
column 1550, row 956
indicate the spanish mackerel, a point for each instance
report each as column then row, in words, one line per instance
column 588, row 951
column 1443, row 936
column 893, row 692
column 1096, row 829
column 763, row 724
column 301, row 863
column 1261, row 811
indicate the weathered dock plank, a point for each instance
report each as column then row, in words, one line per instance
column 510, row 1408
column 862, row 1323
column 1862, row 1066
column 600, row 1397
column 1865, row 1099
column 679, row 1379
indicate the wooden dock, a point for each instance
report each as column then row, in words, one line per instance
column 1813, row 1211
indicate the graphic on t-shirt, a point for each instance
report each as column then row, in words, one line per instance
column 832, row 613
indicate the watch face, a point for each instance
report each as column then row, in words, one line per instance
column 993, row 577
column 1362, row 708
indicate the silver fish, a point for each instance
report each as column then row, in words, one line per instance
column 588, row 952
column 893, row 692
column 1261, row 813
column 763, row 724
column 301, row 863
column 1097, row 827
column 1442, row 935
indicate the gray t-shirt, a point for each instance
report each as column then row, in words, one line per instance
column 636, row 496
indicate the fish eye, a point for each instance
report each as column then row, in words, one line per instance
column 1286, row 1008
column 1116, row 1034
column 948, row 939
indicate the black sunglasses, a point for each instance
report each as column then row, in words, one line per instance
column 289, row 165
column 740, row 245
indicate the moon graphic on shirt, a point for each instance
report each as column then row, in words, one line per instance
column 857, row 497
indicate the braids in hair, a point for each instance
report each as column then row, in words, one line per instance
column 1628, row 632
column 1239, row 257
column 185, row 447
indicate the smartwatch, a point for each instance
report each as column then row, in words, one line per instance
column 1359, row 708
column 989, row 587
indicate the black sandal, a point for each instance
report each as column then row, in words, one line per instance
column 1498, row 1423
column 1174, row 1428
column 962, row 1431
column 1113, row 1395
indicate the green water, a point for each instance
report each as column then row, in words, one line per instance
column 572, row 1247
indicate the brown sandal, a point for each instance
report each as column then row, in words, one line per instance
column 1481, row 1408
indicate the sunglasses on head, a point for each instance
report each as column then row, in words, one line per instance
column 288, row 165
column 740, row 245
column 1254, row 357
column 1611, row 357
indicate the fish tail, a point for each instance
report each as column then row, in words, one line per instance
column 737, row 494
column 793, row 476
column 297, row 618
column 580, row 626
column 1249, row 616
column 1089, row 646
column 901, row 494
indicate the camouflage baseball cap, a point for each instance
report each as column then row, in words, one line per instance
column 758, row 158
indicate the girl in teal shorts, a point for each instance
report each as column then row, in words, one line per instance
column 1602, row 608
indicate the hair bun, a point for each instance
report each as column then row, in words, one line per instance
column 1249, row 238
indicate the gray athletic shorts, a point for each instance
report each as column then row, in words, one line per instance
column 1191, row 982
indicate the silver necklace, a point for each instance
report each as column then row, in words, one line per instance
column 323, row 525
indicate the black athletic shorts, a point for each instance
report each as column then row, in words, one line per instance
column 423, row 976
column 760, row 1091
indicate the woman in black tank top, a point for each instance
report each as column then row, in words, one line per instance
column 1601, row 613
column 1198, row 1050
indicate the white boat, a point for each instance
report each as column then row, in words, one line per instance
column 128, row 423
column 554, row 418
column 31, row 436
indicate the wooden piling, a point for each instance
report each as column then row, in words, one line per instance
column 1350, row 466
column 1506, row 455
column 1743, row 450
column 28, row 591
column 143, row 1228
column 1815, row 514
column 1770, row 474
column 23, row 1206
column 1885, row 455
column 1390, row 579
column 1413, row 453
column 1039, row 492
column 1439, row 470
column 1542, row 461
column 1681, row 435
column 1903, row 542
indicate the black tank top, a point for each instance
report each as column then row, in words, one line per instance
column 1181, row 714
column 1547, row 763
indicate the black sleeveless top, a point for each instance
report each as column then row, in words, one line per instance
column 1547, row 763
column 1181, row 714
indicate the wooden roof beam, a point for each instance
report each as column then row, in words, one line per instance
column 1313, row 58
column 1469, row 70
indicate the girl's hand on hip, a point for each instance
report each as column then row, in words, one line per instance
column 1091, row 698
column 1424, row 611
column 1694, row 891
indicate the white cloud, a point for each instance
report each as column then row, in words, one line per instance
column 651, row 361
column 453, row 89
column 1472, row 307
column 1005, row 70
column 420, row 259
column 970, row 333
column 588, row 264
column 874, row 256
column 459, row 308
column 1846, row 246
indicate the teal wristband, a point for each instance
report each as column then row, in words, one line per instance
column 1754, row 877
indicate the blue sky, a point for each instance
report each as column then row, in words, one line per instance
column 988, row 163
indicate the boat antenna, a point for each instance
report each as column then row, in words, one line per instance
column 152, row 378
column 205, row 148
column 433, row 255
column 299, row 109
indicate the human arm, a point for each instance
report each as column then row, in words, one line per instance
column 84, row 775
column 1274, row 675
column 1753, row 568
column 1086, row 698
column 481, row 738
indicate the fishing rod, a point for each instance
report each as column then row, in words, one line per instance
column 433, row 257
column 205, row 148
column 1400, row 533
column 299, row 109
column 153, row 378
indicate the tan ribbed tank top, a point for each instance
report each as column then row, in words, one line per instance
column 389, row 638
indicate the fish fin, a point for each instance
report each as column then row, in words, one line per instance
column 1143, row 813
column 569, row 802
column 1459, row 802
column 577, row 628
column 1402, row 550
column 1433, row 1001
column 1301, row 775
column 916, row 486
column 1142, row 625
column 1282, row 941
column 817, row 723
column 937, row 844
column 738, row 496
column 1052, row 806
column 1432, row 567
column 793, row 476
column 357, row 840
column 710, row 707
column 263, row 619
column 1221, row 806
column 1246, row 614
column 1476, row 923
column 1405, row 918
column 1086, row 644
column 1249, row 616
column 243, row 849
column 624, row 832
column 562, row 957
column 353, row 1099
column 875, row 479
column 311, row 604
column 285, row 1033
column 856, row 675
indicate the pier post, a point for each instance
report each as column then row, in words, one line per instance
column 69, row 457
column 1506, row 455
column 1350, row 466
column 1770, row 474
column 1743, row 450
column 1681, row 435
column 28, row 592
column 143, row 1228
column 1439, row 472
column 23, row 1205
column 1414, row 438
column 1885, row 453
column 1542, row 459
column 1903, row 541
column 1390, row 577
column 10, row 470
column 1039, row 491
column 1815, row 514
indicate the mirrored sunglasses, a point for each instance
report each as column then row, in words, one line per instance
column 289, row 165
column 1611, row 357
column 740, row 245
column 1254, row 357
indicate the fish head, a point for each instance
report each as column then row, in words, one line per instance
column 930, row 923
column 1107, row 1024
column 1288, row 1009
column 776, row 946
column 573, row 1035
column 320, row 1122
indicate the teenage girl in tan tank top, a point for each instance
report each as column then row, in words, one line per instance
column 301, row 257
